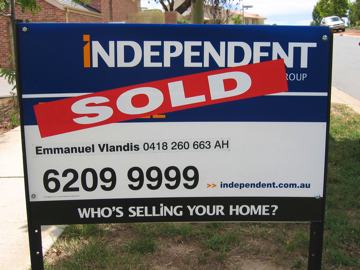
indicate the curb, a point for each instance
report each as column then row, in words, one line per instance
column 348, row 34
column 49, row 235
column 340, row 97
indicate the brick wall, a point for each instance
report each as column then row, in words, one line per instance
column 170, row 17
column 5, row 56
column 122, row 9
column 105, row 10
column 49, row 13
column 104, row 7
column 96, row 4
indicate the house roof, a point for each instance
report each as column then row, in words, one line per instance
column 63, row 4
column 247, row 15
column 254, row 15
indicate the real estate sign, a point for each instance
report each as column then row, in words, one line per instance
column 138, row 123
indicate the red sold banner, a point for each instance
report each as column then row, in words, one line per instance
column 158, row 97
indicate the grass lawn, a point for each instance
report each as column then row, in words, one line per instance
column 232, row 245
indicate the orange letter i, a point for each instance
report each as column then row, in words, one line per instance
column 86, row 51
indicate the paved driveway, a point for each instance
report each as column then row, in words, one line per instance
column 14, row 245
column 5, row 88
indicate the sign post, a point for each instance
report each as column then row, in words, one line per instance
column 167, row 123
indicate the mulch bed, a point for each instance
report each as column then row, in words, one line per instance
column 9, row 114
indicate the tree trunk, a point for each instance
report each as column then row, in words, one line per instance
column 183, row 7
column 197, row 11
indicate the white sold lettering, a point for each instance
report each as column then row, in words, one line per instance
column 177, row 95
column 156, row 97
column 124, row 102
column 102, row 112
column 217, row 87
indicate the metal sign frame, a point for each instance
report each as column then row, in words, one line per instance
column 34, row 228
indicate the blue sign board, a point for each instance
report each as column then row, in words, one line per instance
column 141, row 123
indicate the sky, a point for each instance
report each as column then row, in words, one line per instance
column 281, row 12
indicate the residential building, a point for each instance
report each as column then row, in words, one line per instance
column 249, row 18
column 65, row 11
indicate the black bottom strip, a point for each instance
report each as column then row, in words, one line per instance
column 177, row 210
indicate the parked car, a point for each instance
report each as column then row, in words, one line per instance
column 334, row 22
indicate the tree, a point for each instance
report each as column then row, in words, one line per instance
column 5, row 10
column 325, row 8
column 5, row 5
column 196, row 7
column 237, row 19
column 24, row 4
column 340, row 7
column 316, row 14
column 354, row 14
column 219, row 10
column 9, row 74
column 197, row 11
column 168, row 5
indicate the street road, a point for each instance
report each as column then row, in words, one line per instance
column 346, row 65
